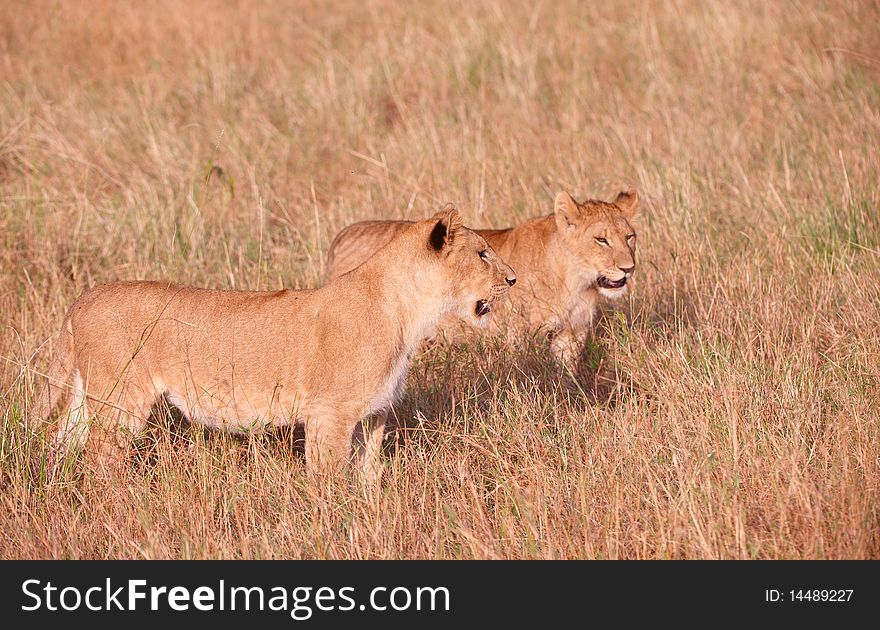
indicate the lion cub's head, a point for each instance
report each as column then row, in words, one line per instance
column 601, row 238
column 477, row 276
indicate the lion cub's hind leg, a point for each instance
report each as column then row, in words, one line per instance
column 113, row 427
column 73, row 422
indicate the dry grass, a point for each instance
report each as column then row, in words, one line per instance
column 729, row 410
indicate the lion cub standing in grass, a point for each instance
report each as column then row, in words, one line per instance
column 241, row 360
column 565, row 261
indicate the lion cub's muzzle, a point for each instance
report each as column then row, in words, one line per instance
column 605, row 283
column 498, row 293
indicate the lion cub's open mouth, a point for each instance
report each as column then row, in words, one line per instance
column 482, row 308
column 605, row 283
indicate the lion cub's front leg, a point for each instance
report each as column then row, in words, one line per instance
column 566, row 346
column 332, row 445
column 371, row 455
column 328, row 445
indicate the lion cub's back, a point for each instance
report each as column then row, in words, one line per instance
column 357, row 242
column 158, row 313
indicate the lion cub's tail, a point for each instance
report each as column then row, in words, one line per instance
column 53, row 388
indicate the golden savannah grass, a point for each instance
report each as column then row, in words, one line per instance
column 728, row 408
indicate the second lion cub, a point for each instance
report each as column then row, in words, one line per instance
column 565, row 261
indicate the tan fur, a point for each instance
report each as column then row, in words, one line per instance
column 242, row 360
column 560, row 263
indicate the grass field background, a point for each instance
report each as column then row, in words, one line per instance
column 729, row 409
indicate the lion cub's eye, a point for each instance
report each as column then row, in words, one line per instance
column 601, row 240
column 484, row 254
column 630, row 237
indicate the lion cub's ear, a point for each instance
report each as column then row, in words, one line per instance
column 566, row 210
column 448, row 223
column 628, row 202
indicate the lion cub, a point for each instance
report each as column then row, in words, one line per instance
column 242, row 360
column 565, row 261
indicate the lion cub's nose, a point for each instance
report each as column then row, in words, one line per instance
column 511, row 280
